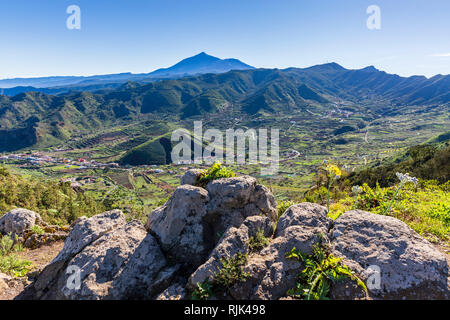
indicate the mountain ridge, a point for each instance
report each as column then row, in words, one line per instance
column 28, row 119
column 198, row 64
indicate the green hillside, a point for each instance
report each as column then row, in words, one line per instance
column 429, row 161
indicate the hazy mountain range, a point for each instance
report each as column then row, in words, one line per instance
column 39, row 118
column 199, row 64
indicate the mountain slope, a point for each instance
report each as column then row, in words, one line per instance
column 41, row 119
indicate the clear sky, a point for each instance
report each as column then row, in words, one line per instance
column 142, row 35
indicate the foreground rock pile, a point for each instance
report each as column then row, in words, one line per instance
column 20, row 222
column 184, row 241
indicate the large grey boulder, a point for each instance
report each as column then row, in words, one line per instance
column 305, row 214
column 271, row 273
column 17, row 221
column 122, row 264
column 241, row 193
column 190, row 224
column 178, row 225
column 409, row 266
column 85, row 231
column 190, row 177
column 232, row 200
column 234, row 241
column 105, row 258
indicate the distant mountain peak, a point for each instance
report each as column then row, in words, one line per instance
column 370, row 68
column 334, row 65
column 328, row 66
column 200, row 64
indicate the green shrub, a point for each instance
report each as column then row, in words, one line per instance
column 217, row 171
column 231, row 271
column 37, row 229
column 9, row 262
column 320, row 271
column 283, row 206
column 56, row 201
column 203, row 291
column 258, row 242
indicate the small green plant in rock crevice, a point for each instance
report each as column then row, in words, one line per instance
column 230, row 273
column 320, row 271
column 9, row 261
column 37, row 230
column 333, row 173
column 258, row 242
column 203, row 291
column 217, row 171
column 283, row 206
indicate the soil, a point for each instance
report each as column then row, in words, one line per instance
column 40, row 257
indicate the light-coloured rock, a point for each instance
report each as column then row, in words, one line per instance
column 174, row 292
column 230, row 193
column 305, row 214
column 87, row 230
column 123, row 263
column 4, row 279
column 272, row 274
column 235, row 240
column 190, row 177
column 235, row 199
column 256, row 223
column 17, row 221
column 178, row 225
column 84, row 232
column 411, row 268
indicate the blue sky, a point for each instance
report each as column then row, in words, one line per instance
column 142, row 35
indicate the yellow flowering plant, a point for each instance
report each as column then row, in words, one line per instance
column 334, row 173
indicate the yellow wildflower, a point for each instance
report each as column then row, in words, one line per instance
column 332, row 169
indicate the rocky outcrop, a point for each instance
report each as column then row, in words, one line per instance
column 17, row 221
column 272, row 274
column 185, row 241
column 409, row 267
column 50, row 234
column 179, row 227
column 190, row 177
column 174, row 292
column 105, row 258
column 189, row 225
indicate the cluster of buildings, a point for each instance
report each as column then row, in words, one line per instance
column 41, row 159
column 78, row 182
